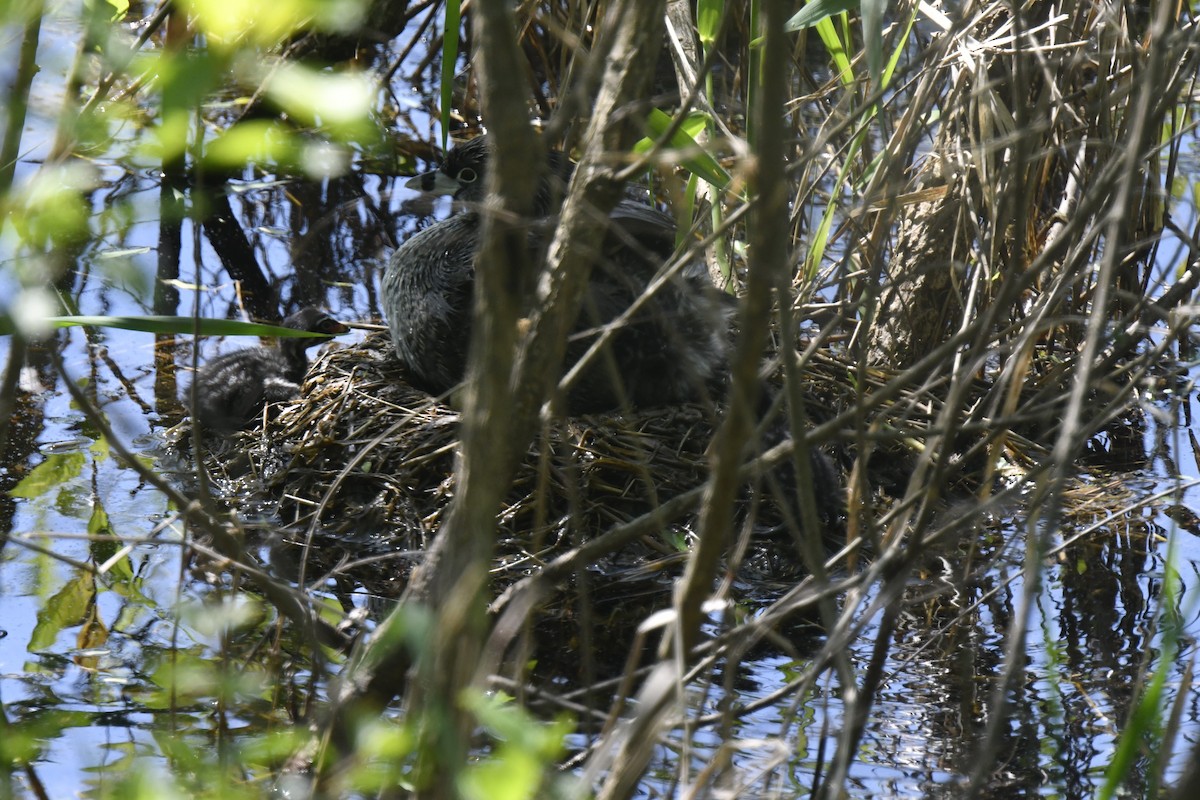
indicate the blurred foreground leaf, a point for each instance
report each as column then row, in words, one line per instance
column 158, row 324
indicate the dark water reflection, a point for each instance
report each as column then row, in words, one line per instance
column 1093, row 624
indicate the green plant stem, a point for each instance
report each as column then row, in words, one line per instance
column 18, row 98
column 769, row 258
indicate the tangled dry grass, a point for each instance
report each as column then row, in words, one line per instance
column 364, row 456
column 363, row 466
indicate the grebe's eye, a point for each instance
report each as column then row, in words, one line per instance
column 467, row 175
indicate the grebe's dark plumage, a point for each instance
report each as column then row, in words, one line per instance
column 232, row 389
column 463, row 171
column 672, row 350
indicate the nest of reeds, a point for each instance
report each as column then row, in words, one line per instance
column 359, row 473
column 363, row 460
column 361, row 467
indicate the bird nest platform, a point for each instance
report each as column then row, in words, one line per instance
column 365, row 459
column 361, row 467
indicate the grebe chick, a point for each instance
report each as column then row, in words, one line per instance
column 232, row 389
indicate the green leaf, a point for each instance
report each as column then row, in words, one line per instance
column 699, row 162
column 339, row 102
column 98, row 524
column 872, row 25
column 509, row 775
column 898, row 51
column 708, row 21
column 160, row 324
column 56, row 470
column 818, row 10
column 66, row 608
column 255, row 140
column 49, row 209
column 837, row 50
column 695, row 124
column 107, row 545
column 525, row 753
column 229, row 24
column 119, row 9
column 513, row 725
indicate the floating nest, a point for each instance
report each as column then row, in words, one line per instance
column 362, row 467
column 358, row 474
column 360, row 470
